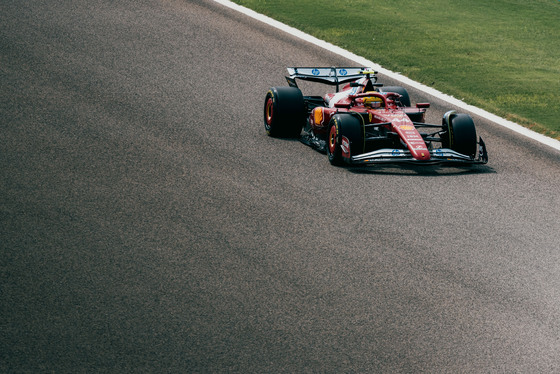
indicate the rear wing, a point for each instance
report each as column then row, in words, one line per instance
column 329, row 75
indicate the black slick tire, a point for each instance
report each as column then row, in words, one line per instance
column 350, row 127
column 405, row 99
column 459, row 133
column 284, row 112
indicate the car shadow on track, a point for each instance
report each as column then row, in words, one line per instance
column 422, row 170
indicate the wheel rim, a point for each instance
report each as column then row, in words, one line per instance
column 332, row 139
column 269, row 111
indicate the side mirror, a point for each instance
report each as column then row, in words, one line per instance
column 423, row 105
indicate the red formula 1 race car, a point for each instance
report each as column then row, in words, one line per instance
column 366, row 122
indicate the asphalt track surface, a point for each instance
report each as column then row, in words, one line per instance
column 149, row 224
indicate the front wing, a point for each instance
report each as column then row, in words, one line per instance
column 438, row 156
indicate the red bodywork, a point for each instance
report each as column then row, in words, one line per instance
column 375, row 108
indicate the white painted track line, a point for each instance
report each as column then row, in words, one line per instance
column 364, row 62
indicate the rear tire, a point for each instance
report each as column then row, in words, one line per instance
column 284, row 112
column 350, row 127
column 459, row 134
column 405, row 99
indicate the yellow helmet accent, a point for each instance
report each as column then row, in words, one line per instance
column 373, row 101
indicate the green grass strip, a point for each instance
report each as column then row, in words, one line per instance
column 501, row 55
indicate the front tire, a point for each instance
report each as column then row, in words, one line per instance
column 284, row 112
column 459, row 133
column 349, row 127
